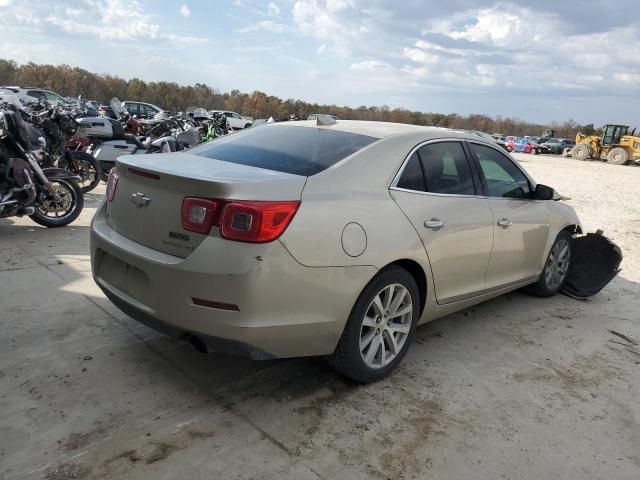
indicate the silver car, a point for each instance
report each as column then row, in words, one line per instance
column 327, row 237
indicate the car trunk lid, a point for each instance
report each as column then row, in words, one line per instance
column 147, row 203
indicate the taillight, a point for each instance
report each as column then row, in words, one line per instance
column 112, row 184
column 239, row 220
column 256, row 222
column 198, row 214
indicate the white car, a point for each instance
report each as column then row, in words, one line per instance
column 235, row 120
column 28, row 95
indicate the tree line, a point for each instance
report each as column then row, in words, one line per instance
column 73, row 81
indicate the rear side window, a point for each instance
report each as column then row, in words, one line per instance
column 297, row 150
column 412, row 177
column 446, row 169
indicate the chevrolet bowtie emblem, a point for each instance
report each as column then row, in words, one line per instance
column 139, row 199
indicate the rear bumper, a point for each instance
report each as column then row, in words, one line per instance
column 283, row 308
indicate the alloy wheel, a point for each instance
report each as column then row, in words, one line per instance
column 386, row 326
column 557, row 264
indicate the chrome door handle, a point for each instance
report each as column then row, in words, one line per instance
column 504, row 222
column 434, row 224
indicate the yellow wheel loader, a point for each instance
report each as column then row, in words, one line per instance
column 617, row 145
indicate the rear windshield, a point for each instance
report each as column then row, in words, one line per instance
column 290, row 149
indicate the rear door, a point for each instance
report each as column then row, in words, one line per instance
column 520, row 224
column 440, row 194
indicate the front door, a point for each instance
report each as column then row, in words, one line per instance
column 521, row 224
column 438, row 194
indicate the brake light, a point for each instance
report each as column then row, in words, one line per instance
column 112, row 184
column 256, row 222
column 199, row 214
column 239, row 220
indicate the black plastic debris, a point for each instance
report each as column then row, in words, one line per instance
column 595, row 261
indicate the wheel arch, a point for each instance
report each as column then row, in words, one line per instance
column 418, row 274
column 573, row 229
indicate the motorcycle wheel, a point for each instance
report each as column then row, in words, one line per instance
column 51, row 213
column 89, row 170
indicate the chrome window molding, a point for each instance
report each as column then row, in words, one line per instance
column 396, row 179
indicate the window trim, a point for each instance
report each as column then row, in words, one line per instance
column 483, row 180
column 470, row 161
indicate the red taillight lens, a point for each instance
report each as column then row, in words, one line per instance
column 112, row 184
column 198, row 214
column 256, row 222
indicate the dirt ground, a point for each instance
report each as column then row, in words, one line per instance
column 515, row 388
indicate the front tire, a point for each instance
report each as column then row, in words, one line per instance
column 380, row 327
column 555, row 269
column 581, row 152
column 51, row 213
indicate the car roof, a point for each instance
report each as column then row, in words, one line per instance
column 380, row 129
column 14, row 87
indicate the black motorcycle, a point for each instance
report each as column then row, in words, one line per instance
column 58, row 129
column 50, row 196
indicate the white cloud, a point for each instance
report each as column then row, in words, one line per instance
column 369, row 66
column 333, row 23
column 107, row 19
column 267, row 25
column 185, row 11
column 114, row 20
column 273, row 10
column 5, row 3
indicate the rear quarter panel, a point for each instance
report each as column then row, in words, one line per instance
column 357, row 191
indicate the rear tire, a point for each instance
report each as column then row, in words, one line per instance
column 534, row 151
column 581, row 152
column 555, row 269
column 617, row 156
column 380, row 327
column 90, row 170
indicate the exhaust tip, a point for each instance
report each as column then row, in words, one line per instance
column 196, row 342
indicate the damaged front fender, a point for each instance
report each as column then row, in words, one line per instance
column 595, row 261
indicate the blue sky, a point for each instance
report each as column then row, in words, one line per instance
column 541, row 61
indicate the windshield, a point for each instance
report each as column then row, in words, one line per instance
column 290, row 149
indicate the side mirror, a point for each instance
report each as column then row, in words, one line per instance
column 543, row 192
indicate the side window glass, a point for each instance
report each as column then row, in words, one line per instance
column 446, row 169
column 53, row 98
column 412, row 178
column 228, row 115
column 35, row 94
column 235, row 115
column 503, row 177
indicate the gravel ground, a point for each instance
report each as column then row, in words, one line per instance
column 515, row 388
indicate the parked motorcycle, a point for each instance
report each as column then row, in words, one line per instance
column 58, row 128
column 111, row 140
column 49, row 196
